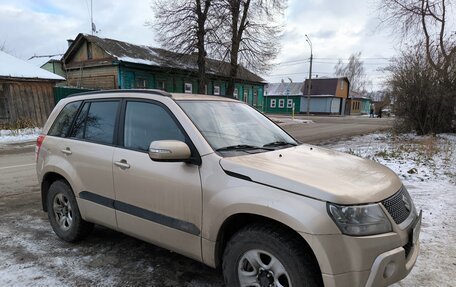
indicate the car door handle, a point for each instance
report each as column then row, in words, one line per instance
column 122, row 164
column 66, row 151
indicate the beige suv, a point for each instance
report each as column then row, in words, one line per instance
column 215, row 180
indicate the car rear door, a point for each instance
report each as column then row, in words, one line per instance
column 156, row 201
column 89, row 150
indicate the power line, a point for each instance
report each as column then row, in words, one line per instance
column 335, row 59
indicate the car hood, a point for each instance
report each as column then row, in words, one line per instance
column 318, row 173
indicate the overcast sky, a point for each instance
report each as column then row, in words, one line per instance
column 336, row 29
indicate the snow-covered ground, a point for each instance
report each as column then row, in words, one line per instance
column 19, row 136
column 427, row 167
column 31, row 255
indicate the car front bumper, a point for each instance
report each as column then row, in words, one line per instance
column 377, row 260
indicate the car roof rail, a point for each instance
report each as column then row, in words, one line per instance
column 142, row 91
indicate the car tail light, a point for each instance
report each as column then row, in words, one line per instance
column 39, row 142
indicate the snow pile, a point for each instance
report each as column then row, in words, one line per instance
column 427, row 167
column 19, row 136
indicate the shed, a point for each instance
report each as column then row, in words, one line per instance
column 26, row 95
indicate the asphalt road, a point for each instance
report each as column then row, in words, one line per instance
column 29, row 250
column 331, row 128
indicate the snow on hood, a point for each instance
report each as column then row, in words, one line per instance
column 318, row 173
column 16, row 68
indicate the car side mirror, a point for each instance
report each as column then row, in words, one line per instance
column 169, row 150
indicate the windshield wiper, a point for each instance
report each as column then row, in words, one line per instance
column 278, row 143
column 241, row 147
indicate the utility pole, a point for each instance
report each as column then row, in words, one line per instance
column 310, row 75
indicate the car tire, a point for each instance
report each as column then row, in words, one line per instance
column 263, row 256
column 63, row 213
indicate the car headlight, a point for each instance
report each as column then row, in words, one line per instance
column 360, row 220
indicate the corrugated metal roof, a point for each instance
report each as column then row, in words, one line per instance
column 280, row 89
column 146, row 55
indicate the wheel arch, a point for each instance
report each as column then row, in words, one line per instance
column 238, row 221
column 48, row 179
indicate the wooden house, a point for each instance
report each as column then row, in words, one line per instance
column 280, row 98
column 101, row 63
column 51, row 63
column 327, row 96
column 358, row 104
column 25, row 92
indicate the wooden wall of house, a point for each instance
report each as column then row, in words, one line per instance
column 27, row 101
column 93, row 78
column 342, row 88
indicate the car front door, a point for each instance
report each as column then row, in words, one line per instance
column 159, row 202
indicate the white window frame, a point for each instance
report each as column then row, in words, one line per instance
column 281, row 103
column 216, row 90
column 273, row 103
column 289, row 103
column 161, row 85
column 188, row 88
column 236, row 93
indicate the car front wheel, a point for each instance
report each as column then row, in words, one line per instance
column 260, row 256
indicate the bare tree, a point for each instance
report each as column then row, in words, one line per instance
column 3, row 47
column 423, row 100
column 354, row 71
column 423, row 78
column 253, row 29
column 428, row 18
column 183, row 26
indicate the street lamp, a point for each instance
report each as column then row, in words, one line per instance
column 310, row 75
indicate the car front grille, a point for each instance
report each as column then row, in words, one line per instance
column 399, row 205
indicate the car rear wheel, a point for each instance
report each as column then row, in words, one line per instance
column 260, row 256
column 63, row 213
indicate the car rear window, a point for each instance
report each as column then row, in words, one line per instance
column 96, row 122
column 62, row 123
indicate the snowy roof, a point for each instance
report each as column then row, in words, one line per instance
column 282, row 89
column 39, row 61
column 13, row 67
column 146, row 55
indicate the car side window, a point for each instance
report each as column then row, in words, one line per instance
column 96, row 122
column 63, row 121
column 79, row 123
column 147, row 122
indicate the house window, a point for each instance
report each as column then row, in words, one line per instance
column 281, row 103
column 255, row 98
column 216, row 90
column 236, row 93
column 188, row 88
column 141, row 83
column 246, row 96
column 289, row 103
column 89, row 51
column 273, row 103
column 161, row 85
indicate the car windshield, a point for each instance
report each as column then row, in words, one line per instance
column 233, row 127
